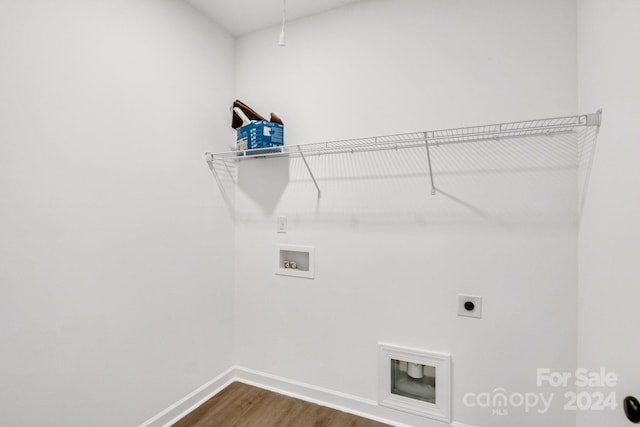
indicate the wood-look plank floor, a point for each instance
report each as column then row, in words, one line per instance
column 241, row 405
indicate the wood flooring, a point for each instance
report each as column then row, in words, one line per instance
column 241, row 405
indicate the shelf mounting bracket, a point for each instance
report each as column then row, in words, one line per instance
column 594, row 119
column 426, row 144
column 313, row 178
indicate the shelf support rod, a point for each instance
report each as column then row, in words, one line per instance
column 313, row 178
column 426, row 144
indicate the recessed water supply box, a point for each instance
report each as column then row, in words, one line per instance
column 415, row 381
column 295, row 260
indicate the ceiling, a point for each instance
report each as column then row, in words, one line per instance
column 241, row 17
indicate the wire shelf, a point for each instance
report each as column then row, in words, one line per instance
column 427, row 140
column 419, row 139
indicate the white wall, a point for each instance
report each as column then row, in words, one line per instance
column 115, row 246
column 609, row 242
column 391, row 258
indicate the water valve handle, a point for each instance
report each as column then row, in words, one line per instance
column 632, row 409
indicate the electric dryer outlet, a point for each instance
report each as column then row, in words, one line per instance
column 470, row 306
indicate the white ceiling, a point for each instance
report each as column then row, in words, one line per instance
column 241, row 17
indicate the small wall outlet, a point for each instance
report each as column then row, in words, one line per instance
column 282, row 224
column 470, row 306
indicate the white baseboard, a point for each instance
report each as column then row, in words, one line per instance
column 191, row 401
column 333, row 399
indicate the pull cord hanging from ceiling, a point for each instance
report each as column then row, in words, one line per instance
column 281, row 41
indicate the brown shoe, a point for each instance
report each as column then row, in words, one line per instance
column 236, row 121
column 243, row 117
column 275, row 119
